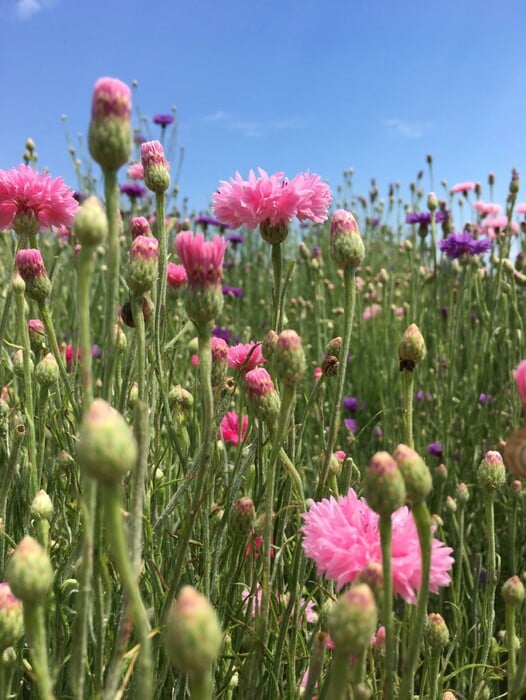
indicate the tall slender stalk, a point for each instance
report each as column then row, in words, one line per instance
column 387, row 607
column 111, row 194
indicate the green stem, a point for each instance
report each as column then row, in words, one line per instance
column 19, row 434
column 434, row 665
column 276, row 271
column 317, row 656
column 409, row 382
column 491, row 584
column 422, row 520
column 339, row 680
column 160, row 302
column 512, row 643
column 202, row 687
column 35, row 629
column 123, row 564
column 520, row 675
column 111, row 194
column 387, row 609
column 334, row 424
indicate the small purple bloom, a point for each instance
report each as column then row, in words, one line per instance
column 350, row 403
column 378, row 433
column 222, row 333
column 139, row 138
column 444, row 311
column 133, row 191
column 420, row 395
column 96, row 351
column 234, row 238
column 204, row 220
column 351, row 425
column 435, row 448
column 79, row 197
column 457, row 245
column 232, row 291
column 424, row 217
column 163, row 120
column 485, row 399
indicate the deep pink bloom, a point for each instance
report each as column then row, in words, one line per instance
column 259, row 382
column 462, row 187
column 519, row 375
column 175, row 275
column 25, row 192
column 342, row 537
column 152, row 154
column 30, row 264
column 139, row 226
column 136, row 171
column 229, row 428
column 245, row 357
column 202, row 260
column 111, row 98
column 270, row 198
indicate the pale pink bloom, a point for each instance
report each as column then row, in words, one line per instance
column 251, row 600
column 463, row 187
column 270, row 198
column 202, row 260
column 175, row 275
column 487, row 208
column 229, row 428
column 111, row 98
column 25, row 192
column 342, row 537
column 245, row 357
column 399, row 312
column 519, row 374
column 493, row 226
column 219, row 349
column 259, row 382
column 359, row 283
column 378, row 639
column 371, row 311
column 136, row 171
column 317, row 374
column 521, row 208
column 152, row 155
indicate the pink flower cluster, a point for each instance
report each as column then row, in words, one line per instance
column 342, row 537
column 271, row 198
column 202, row 260
column 487, row 208
column 24, row 191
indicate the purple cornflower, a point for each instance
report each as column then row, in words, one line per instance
column 485, row 399
column 79, row 196
column 133, row 191
column 424, row 217
column 234, row 238
column 435, row 448
column 420, row 395
column 350, row 403
column 204, row 220
column 163, row 120
column 222, row 333
column 351, row 425
column 138, row 138
column 316, row 252
column 232, row 291
column 458, row 244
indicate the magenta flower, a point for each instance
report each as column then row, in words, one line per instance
column 487, row 208
column 229, row 428
column 175, row 275
column 111, row 98
column 519, row 375
column 342, row 537
column 463, row 187
column 132, row 190
column 202, row 260
column 26, row 194
column 245, row 357
column 271, row 198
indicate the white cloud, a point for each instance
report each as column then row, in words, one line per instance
column 409, row 130
column 252, row 128
column 27, row 8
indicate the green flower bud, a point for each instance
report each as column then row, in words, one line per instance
column 192, row 633
column 274, row 233
column 42, row 507
column 29, row 573
column 18, row 363
column 107, row 449
column 346, row 245
column 269, row 344
column 352, row 621
column 33, row 271
column 513, row 591
column 110, row 135
column 462, row 493
column 384, row 486
column 334, row 347
column 11, row 618
column 156, row 168
column 417, row 477
column 90, row 224
column 142, row 264
column 289, row 358
column 436, row 632
column 412, row 348
column 492, row 473
column 46, row 372
column 243, row 516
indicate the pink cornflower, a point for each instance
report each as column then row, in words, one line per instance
column 498, row 224
column 342, row 537
column 136, row 171
column 519, row 375
column 202, row 260
column 371, row 311
column 34, row 200
column 111, row 98
column 271, row 198
column 521, row 208
column 245, row 357
column 176, row 275
column 463, row 187
column 229, row 428
column 487, row 208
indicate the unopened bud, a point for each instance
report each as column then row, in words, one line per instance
column 491, row 471
column 47, row 372
column 346, row 244
column 289, row 358
column 11, row 618
column 352, row 620
column 417, row 477
column 412, row 348
column 436, row 632
column 90, row 224
column 42, row 507
column 384, row 486
column 29, row 573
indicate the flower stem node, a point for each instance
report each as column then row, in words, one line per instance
column 29, row 573
column 416, row 474
column 384, row 486
column 107, row 449
column 346, row 244
column 352, row 621
column 192, row 634
column 412, row 348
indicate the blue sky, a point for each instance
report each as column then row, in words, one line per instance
column 282, row 85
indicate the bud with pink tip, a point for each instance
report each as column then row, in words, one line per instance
column 46, row 372
column 416, row 474
column 156, row 168
column 29, row 573
column 142, row 264
column 31, row 267
column 289, row 358
column 90, row 224
column 352, row 620
column 346, row 244
column 11, row 618
column 384, row 486
column 412, row 348
column 492, row 473
column 262, row 397
column 110, row 135
column 139, row 226
column 436, row 632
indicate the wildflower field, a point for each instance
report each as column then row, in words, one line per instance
column 269, row 451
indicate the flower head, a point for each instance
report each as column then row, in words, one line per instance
column 175, row 275
column 342, row 537
column 163, row 120
column 230, row 428
column 110, row 135
column 136, row 171
column 463, row 187
column 435, row 449
column 30, row 201
column 245, row 357
column 519, row 375
column 202, row 260
column 314, row 197
column 111, row 98
column 204, row 221
column 458, row 244
column 424, row 217
column 132, row 190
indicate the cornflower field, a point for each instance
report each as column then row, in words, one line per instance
column 273, row 451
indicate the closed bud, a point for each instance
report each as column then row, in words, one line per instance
column 139, row 226
column 262, row 397
column 31, row 267
column 334, row 347
column 46, row 372
column 412, row 348
column 289, row 358
column 29, row 573
column 192, row 633
column 491, row 472
column 110, row 134
column 432, row 201
column 462, row 494
column 513, row 591
column 352, row 620
column 18, row 363
column 11, row 618
column 274, row 233
column 436, row 633
column 417, row 477
column 106, row 449
column 142, row 264
column 156, row 168
column 37, row 334
column 269, row 344
column 243, row 516
column 90, row 224
column 384, row 486
column 346, row 244
column 42, row 507
column 515, row 183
